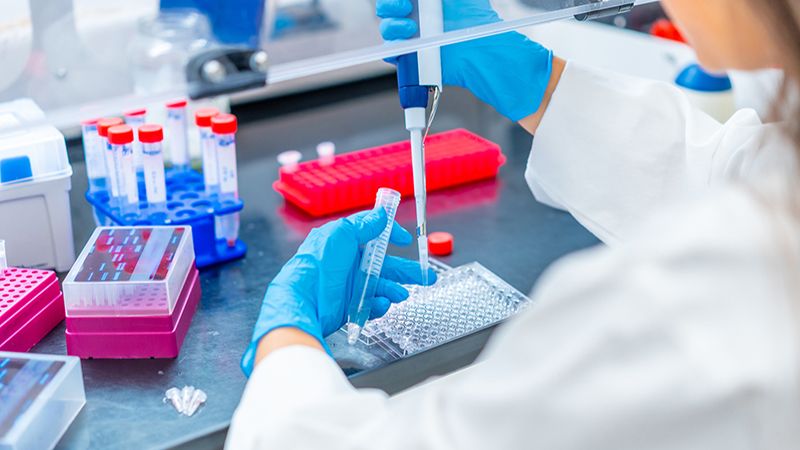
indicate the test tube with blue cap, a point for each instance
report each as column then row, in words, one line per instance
column 111, row 162
column 93, row 155
column 120, row 138
column 152, row 137
column 136, row 118
column 176, row 129
column 202, row 118
column 369, row 269
column 224, row 127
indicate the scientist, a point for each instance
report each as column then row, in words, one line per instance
column 681, row 333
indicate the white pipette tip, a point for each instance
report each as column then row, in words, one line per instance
column 3, row 261
column 353, row 333
column 289, row 159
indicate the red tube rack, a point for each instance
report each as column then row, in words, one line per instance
column 452, row 158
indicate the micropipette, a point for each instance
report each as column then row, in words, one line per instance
column 224, row 127
column 369, row 270
column 417, row 73
column 151, row 137
column 176, row 135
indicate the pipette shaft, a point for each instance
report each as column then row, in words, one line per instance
column 420, row 199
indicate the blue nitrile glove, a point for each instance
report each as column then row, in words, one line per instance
column 508, row 71
column 313, row 290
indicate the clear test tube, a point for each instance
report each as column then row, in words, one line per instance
column 93, row 154
column 202, row 118
column 152, row 137
column 224, row 127
column 120, row 138
column 112, row 169
column 369, row 270
column 176, row 129
column 134, row 119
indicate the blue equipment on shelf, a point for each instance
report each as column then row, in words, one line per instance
column 187, row 204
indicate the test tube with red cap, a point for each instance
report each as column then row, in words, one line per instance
column 112, row 169
column 152, row 137
column 202, row 119
column 120, row 138
column 93, row 154
column 177, row 143
column 224, row 128
column 136, row 118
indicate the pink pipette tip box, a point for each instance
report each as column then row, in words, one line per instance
column 31, row 305
column 135, row 337
column 132, row 293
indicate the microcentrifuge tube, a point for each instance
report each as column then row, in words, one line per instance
column 151, row 137
column 224, row 127
column 289, row 160
column 326, row 151
column 208, row 147
column 120, row 138
column 176, row 129
column 369, row 270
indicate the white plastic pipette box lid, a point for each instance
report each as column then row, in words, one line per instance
column 30, row 150
column 130, row 271
column 40, row 396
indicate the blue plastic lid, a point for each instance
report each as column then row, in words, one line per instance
column 696, row 78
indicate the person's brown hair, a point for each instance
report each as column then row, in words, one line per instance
column 782, row 18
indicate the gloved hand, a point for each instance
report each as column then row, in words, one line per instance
column 313, row 290
column 508, row 71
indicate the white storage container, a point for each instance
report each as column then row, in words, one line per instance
column 40, row 397
column 35, row 180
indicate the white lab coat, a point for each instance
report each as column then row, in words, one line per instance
column 680, row 334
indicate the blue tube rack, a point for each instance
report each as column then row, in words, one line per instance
column 187, row 204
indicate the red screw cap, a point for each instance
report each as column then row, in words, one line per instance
column 202, row 117
column 135, row 112
column 120, row 134
column 150, row 134
column 104, row 124
column 664, row 28
column 440, row 243
column 224, row 124
column 177, row 104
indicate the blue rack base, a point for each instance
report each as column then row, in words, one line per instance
column 187, row 204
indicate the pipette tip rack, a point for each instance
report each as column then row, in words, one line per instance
column 31, row 305
column 187, row 204
column 349, row 181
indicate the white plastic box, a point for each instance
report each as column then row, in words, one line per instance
column 130, row 271
column 35, row 180
column 40, row 396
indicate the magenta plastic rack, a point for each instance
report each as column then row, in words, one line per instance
column 135, row 337
column 31, row 305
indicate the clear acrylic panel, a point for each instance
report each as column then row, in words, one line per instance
column 86, row 58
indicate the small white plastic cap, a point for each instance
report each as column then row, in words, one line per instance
column 326, row 151
column 3, row 262
column 289, row 159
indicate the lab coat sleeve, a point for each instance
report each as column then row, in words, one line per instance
column 669, row 343
column 611, row 148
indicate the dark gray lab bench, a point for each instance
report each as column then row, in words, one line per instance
column 496, row 222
